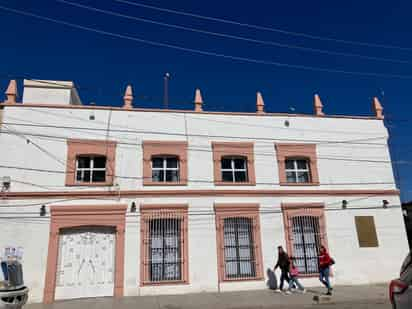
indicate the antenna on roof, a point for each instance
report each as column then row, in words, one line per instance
column 166, row 91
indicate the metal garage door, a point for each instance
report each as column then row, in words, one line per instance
column 86, row 262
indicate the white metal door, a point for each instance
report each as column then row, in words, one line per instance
column 86, row 263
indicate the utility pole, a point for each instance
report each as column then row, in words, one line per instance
column 166, row 91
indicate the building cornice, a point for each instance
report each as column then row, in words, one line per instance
column 157, row 110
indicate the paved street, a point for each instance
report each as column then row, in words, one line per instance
column 345, row 297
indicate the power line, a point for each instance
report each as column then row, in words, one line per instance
column 208, row 53
column 189, row 180
column 205, row 135
column 229, row 36
column 206, row 149
column 242, row 24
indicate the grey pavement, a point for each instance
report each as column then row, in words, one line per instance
column 344, row 297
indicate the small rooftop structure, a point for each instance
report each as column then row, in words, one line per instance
column 50, row 92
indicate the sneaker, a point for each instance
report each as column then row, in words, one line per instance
column 303, row 291
column 329, row 293
column 288, row 292
column 277, row 291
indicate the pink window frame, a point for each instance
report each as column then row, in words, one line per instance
column 291, row 210
column 80, row 147
column 235, row 149
column 297, row 151
column 164, row 148
column 84, row 215
column 147, row 212
column 251, row 211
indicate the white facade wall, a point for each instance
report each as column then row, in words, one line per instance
column 361, row 165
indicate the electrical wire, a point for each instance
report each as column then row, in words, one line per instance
column 234, row 37
column 207, row 53
column 272, row 29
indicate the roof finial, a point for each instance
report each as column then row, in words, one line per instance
column 198, row 101
column 11, row 92
column 317, row 105
column 260, row 104
column 128, row 97
column 377, row 106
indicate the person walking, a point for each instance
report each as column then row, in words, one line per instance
column 325, row 261
column 283, row 263
column 294, row 273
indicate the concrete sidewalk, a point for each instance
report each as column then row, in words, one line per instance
column 370, row 296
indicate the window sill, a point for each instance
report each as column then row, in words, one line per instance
column 223, row 183
column 160, row 283
column 299, row 184
column 89, row 184
column 164, row 184
column 243, row 279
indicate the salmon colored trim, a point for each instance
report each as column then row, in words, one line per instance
column 251, row 211
column 150, row 110
column 291, row 210
column 77, row 147
column 296, row 151
column 168, row 210
column 168, row 148
column 88, row 194
column 84, row 215
column 223, row 149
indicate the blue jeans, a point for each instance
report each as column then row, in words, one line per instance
column 294, row 280
column 324, row 277
column 283, row 276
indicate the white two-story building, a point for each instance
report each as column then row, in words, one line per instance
column 118, row 201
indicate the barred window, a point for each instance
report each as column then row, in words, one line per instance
column 165, row 169
column 305, row 230
column 306, row 238
column 239, row 248
column 164, row 251
column 91, row 169
column 297, row 171
column 234, row 169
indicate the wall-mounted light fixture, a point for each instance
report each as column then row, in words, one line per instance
column 42, row 210
column 385, row 203
column 5, row 183
column 344, row 204
column 133, row 207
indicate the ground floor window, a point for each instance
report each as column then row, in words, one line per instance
column 165, row 250
column 238, row 242
column 305, row 233
column 164, row 244
column 239, row 248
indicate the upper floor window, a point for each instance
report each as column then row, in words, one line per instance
column 234, row 169
column 297, row 171
column 90, row 162
column 91, row 169
column 297, row 164
column 164, row 163
column 165, row 169
column 233, row 163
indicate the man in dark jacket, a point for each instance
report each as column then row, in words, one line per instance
column 283, row 263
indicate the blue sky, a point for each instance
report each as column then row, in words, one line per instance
column 102, row 66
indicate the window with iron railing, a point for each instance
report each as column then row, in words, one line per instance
column 239, row 248
column 306, row 238
column 164, row 251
